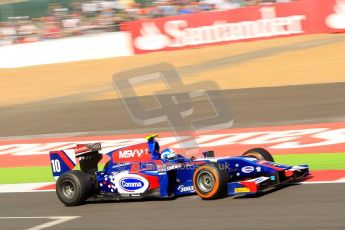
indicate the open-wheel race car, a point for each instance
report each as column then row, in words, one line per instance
column 142, row 171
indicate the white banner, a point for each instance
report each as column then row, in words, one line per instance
column 66, row 50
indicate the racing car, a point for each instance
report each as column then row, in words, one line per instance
column 142, row 171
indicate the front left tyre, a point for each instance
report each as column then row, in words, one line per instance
column 259, row 153
column 74, row 187
column 209, row 181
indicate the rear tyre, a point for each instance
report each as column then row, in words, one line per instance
column 73, row 188
column 210, row 181
column 260, row 154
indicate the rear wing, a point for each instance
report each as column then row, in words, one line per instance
column 62, row 161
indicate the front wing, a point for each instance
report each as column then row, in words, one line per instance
column 267, row 182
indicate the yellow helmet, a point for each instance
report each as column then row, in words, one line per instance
column 150, row 136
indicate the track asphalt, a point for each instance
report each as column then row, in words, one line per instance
column 256, row 107
column 316, row 206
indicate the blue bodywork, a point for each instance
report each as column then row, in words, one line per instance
column 175, row 177
column 137, row 171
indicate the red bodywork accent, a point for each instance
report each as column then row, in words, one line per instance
column 251, row 185
column 135, row 167
column 133, row 153
column 289, row 173
column 265, row 163
column 153, row 180
column 199, row 162
column 158, row 162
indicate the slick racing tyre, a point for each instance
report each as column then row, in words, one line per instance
column 210, row 181
column 73, row 188
column 260, row 154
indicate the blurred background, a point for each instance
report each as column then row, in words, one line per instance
column 23, row 21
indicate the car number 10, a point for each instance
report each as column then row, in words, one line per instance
column 56, row 165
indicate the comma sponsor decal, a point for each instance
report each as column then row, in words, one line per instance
column 131, row 184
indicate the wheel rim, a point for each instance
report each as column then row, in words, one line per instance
column 205, row 181
column 68, row 189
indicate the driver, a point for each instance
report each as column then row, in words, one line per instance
column 169, row 154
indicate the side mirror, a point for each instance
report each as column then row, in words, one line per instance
column 208, row 154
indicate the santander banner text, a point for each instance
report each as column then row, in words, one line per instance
column 242, row 24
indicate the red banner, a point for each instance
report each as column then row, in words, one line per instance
column 242, row 24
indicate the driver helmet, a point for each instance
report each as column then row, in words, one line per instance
column 168, row 154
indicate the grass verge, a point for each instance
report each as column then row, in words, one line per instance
column 320, row 161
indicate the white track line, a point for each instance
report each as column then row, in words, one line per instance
column 341, row 180
column 8, row 188
column 55, row 220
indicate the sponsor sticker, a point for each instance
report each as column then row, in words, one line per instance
column 183, row 188
column 130, row 183
column 130, row 153
column 259, row 180
column 241, row 190
column 247, row 169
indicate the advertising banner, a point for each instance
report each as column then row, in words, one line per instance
column 242, row 24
